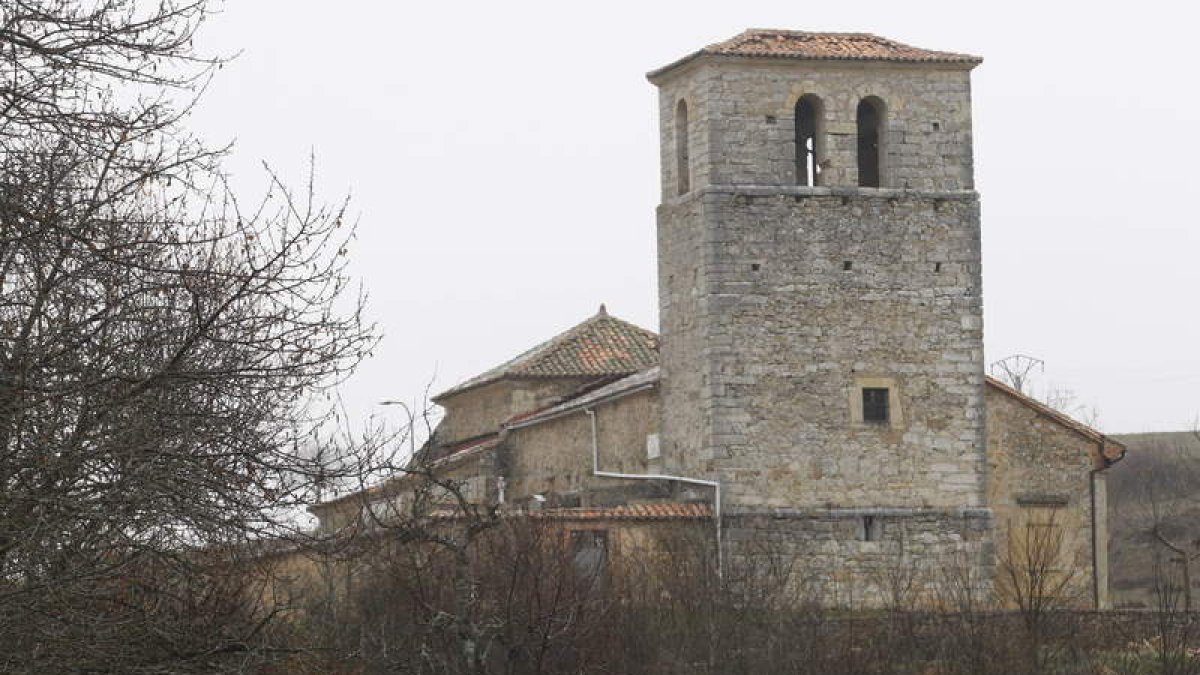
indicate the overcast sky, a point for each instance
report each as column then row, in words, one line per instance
column 502, row 159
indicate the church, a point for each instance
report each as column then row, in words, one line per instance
column 818, row 381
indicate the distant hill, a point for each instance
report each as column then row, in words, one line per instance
column 1159, row 479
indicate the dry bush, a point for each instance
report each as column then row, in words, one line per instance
column 532, row 607
column 666, row 608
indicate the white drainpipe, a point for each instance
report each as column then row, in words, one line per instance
column 715, row 485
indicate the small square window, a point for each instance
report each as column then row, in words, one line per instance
column 871, row 529
column 875, row 405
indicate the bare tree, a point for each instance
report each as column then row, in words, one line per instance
column 438, row 580
column 1034, row 576
column 1065, row 400
column 163, row 351
column 1154, row 516
column 1185, row 550
column 1017, row 372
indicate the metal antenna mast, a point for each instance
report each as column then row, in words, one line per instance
column 1015, row 369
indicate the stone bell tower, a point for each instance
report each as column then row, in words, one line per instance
column 820, row 299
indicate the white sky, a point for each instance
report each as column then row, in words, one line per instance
column 503, row 160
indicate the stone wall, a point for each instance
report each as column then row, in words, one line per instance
column 554, row 457
column 481, row 410
column 683, row 301
column 643, row 554
column 868, row 557
column 793, row 299
column 780, row 303
column 742, row 122
column 390, row 502
column 1040, row 474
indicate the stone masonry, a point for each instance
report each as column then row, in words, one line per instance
column 816, row 400
column 780, row 303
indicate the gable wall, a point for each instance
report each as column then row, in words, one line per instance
column 476, row 476
column 555, row 457
column 1032, row 456
column 481, row 410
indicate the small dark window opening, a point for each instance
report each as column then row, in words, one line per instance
column 754, row 267
column 870, row 127
column 872, row 528
column 846, row 265
column 875, row 405
column 589, row 553
column 937, row 267
column 808, row 166
column 682, row 162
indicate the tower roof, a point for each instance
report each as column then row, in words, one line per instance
column 793, row 44
column 601, row 346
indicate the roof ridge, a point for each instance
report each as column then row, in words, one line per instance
column 1062, row 417
column 820, row 46
column 497, row 372
column 620, row 387
column 793, row 31
column 575, row 332
column 528, row 362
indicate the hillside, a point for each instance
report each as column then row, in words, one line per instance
column 1158, row 481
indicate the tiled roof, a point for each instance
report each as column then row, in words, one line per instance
column 659, row 511
column 601, row 346
column 792, row 44
column 443, row 454
column 628, row 512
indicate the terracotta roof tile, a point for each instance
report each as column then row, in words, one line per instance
column 657, row 511
column 792, row 44
column 601, row 346
column 626, row 513
column 448, row 453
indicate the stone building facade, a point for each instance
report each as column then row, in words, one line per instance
column 819, row 380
